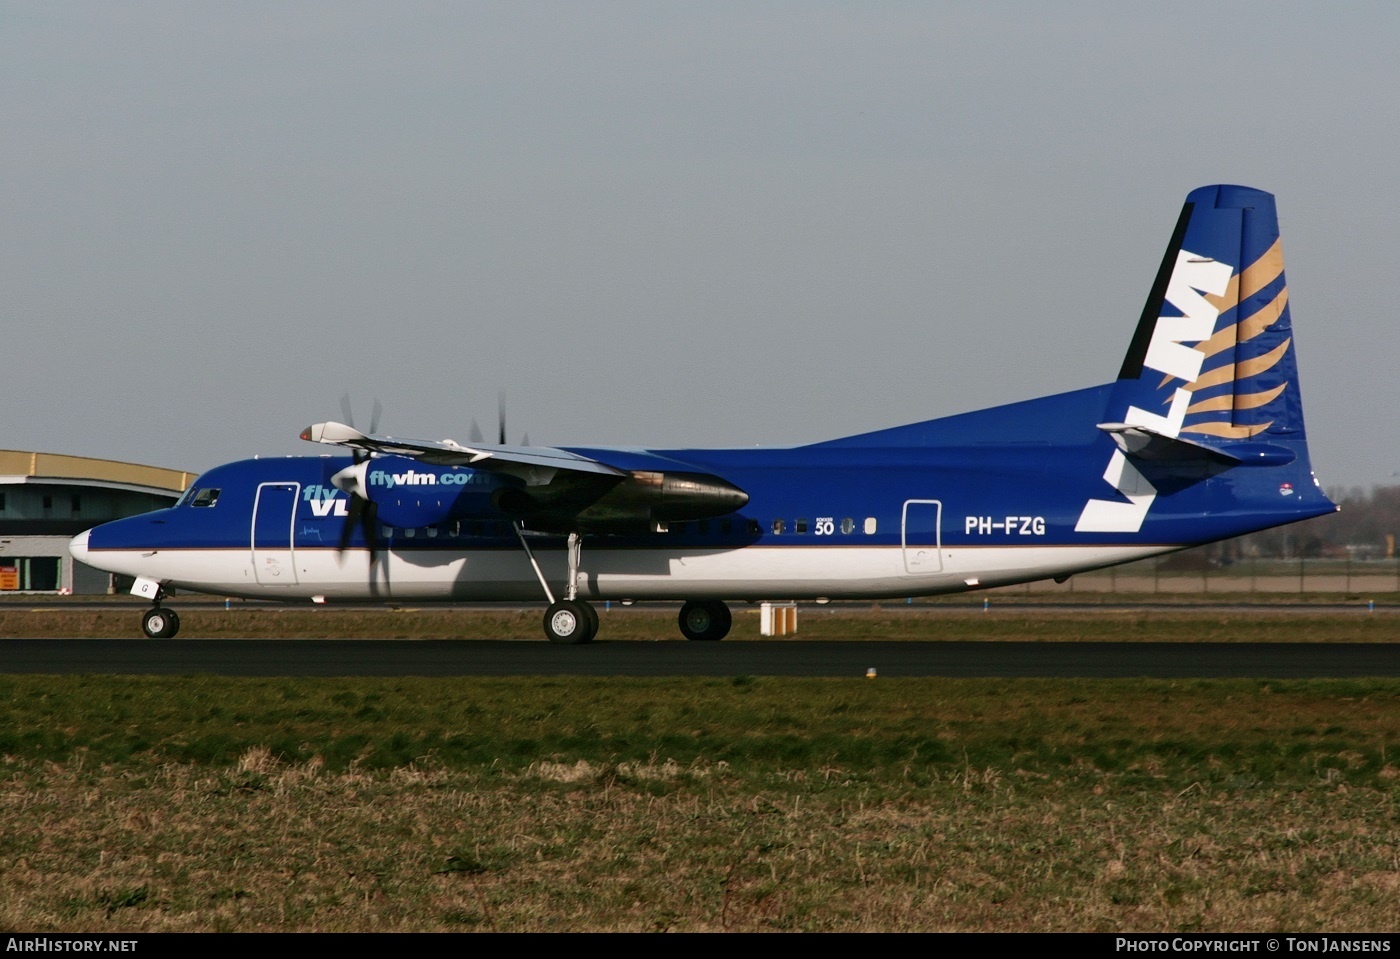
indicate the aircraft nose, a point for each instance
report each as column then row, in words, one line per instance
column 78, row 546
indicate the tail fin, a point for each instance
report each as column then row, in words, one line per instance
column 1212, row 364
column 1210, row 381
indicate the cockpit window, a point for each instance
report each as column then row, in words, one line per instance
column 205, row 497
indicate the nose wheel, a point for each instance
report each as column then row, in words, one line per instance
column 160, row 623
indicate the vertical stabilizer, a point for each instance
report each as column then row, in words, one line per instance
column 1210, row 381
column 1213, row 359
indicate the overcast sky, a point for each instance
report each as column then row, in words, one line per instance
column 663, row 224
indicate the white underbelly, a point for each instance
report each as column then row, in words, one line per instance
column 784, row 572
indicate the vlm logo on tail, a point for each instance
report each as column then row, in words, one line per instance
column 1210, row 359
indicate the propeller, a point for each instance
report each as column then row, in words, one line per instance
column 474, row 435
column 354, row 482
column 350, row 417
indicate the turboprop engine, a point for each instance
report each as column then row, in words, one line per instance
column 408, row 494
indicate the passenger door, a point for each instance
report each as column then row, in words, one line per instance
column 920, row 536
column 274, row 519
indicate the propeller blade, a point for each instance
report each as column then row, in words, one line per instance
column 349, row 417
column 474, row 436
column 369, row 521
column 347, row 529
column 356, row 456
column 362, row 515
column 501, row 409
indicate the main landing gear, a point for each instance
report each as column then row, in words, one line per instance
column 705, row 620
column 569, row 621
column 572, row 622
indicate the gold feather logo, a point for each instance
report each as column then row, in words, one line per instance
column 1259, row 275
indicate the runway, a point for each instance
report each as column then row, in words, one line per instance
column 442, row 658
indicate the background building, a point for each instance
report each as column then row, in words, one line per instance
column 46, row 499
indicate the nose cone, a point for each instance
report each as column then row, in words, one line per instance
column 78, row 546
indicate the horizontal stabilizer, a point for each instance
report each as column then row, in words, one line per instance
column 1144, row 443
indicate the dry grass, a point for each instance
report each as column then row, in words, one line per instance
column 262, row 845
column 549, row 804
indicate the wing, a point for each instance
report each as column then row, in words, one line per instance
column 554, row 489
column 528, row 463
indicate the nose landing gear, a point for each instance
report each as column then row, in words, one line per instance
column 157, row 622
column 160, row 623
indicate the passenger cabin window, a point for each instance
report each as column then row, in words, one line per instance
column 777, row 526
column 205, row 497
column 801, row 526
column 847, row 525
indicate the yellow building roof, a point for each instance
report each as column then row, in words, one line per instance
column 58, row 466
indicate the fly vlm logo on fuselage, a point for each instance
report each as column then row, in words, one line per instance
column 325, row 500
column 413, row 477
column 329, row 501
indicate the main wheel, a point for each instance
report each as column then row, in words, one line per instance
column 568, row 622
column 706, row 620
column 160, row 623
column 592, row 613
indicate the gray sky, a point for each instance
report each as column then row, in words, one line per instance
column 665, row 224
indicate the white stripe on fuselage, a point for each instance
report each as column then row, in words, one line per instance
column 786, row 572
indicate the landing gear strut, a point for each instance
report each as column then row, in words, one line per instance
column 569, row 621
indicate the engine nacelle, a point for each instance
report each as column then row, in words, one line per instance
column 641, row 500
column 409, row 494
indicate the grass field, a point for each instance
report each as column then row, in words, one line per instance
column 923, row 622
column 745, row 803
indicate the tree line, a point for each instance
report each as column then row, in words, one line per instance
column 1365, row 528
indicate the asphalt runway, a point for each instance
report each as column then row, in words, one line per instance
column 399, row 657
